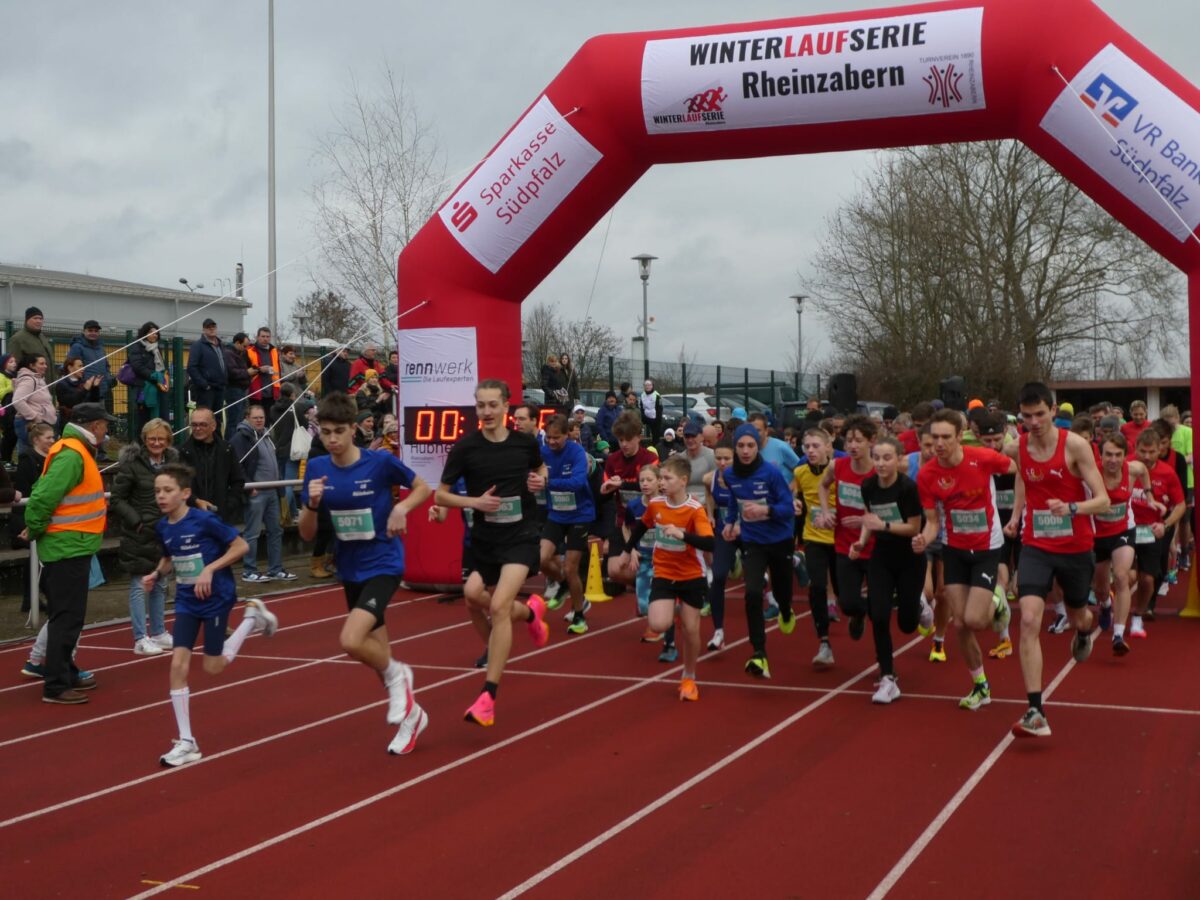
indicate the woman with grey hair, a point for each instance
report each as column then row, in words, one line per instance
column 134, row 506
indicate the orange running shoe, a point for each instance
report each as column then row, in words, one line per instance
column 650, row 636
column 688, row 690
column 538, row 629
column 1001, row 650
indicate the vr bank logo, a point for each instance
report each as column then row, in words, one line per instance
column 1115, row 102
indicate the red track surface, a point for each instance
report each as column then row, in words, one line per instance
column 596, row 781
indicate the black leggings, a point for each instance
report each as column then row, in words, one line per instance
column 757, row 561
column 722, row 559
column 893, row 575
column 821, row 569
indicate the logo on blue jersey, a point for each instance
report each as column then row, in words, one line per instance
column 1113, row 101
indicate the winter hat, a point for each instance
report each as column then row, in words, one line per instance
column 746, row 430
column 31, row 312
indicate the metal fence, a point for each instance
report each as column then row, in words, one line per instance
column 175, row 356
column 729, row 386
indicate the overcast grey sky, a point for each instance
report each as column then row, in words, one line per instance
column 133, row 146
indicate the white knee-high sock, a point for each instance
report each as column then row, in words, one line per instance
column 233, row 643
column 180, row 701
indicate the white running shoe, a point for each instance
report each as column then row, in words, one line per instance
column 1060, row 624
column 824, row 657
column 400, row 696
column 925, row 621
column 410, row 729
column 718, row 639
column 164, row 640
column 265, row 621
column 1166, row 587
column 147, row 647
column 888, row 690
column 1137, row 628
column 182, row 753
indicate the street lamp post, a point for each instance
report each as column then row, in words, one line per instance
column 199, row 285
column 799, row 301
column 643, row 261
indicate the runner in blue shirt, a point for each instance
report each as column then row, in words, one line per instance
column 355, row 486
column 200, row 548
column 571, row 514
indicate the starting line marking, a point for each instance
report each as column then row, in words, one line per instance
column 186, row 887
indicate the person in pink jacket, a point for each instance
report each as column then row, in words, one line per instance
column 31, row 397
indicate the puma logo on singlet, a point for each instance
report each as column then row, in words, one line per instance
column 1057, row 472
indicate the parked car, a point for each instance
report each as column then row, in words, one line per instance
column 534, row 397
column 703, row 405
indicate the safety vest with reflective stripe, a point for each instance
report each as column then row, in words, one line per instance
column 83, row 507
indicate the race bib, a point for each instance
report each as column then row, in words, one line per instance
column 850, row 495
column 889, row 512
column 188, row 568
column 1144, row 535
column 646, row 545
column 974, row 521
column 1006, row 499
column 353, row 524
column 1116, row 513
column 562, row 501
column 1048, row 525
column 742, row 506
column 664, row 542
column 508, row 513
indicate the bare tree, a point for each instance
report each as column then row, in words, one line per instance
column 588, row 342
column 980, row 260
column 383, row 179
column 327, row 314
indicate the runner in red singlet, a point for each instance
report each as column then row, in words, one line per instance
column 1057, row 471
column 848, row 474
column 1115, row 536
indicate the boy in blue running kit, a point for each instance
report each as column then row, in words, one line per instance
column 200, row 548
column 570, row 514
column 355, row 486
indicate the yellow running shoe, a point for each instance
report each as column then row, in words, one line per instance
column 1001, row 650
column 938, row 652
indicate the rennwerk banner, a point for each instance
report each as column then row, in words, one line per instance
column 438, row 371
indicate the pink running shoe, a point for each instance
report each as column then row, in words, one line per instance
column 538, row 629
column 482, row 711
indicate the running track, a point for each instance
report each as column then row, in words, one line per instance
column 596, row 781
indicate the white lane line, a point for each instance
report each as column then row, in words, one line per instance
column 420, row 779
column 632, row 819
column 122, row 625
column 960, row 796
column 213, row 757
column 212, row 690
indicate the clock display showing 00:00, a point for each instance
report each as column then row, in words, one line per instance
column 438, row 424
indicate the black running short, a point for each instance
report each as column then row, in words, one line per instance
column 1073, row 572
column 372, row 595
column 488, row 559
column 692, row 591
column 1106, row 546
column 1150, row 557
column 975, row 568
column 575, row 536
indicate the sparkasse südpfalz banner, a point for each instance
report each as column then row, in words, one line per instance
column 518, row 186
column 911, row 65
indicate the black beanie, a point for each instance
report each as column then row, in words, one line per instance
column 31, row 312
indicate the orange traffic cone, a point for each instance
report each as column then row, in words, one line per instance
column 594, row 591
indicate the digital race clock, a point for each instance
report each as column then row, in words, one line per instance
column 438, row 424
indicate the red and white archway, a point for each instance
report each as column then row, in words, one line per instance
column 1059, row 75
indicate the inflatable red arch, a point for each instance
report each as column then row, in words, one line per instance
column 1058, row 75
